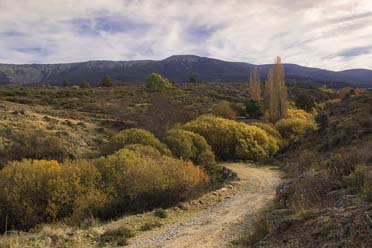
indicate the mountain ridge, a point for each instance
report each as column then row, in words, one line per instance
column 178, row 68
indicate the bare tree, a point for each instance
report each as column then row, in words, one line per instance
column 254, row 86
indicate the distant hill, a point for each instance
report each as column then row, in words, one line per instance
column 178, row 68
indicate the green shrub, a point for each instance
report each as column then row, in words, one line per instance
column 160, row 213
column 135, row 181
column 117, row 236
column 361, row 180
column 156, row 82
column 253, row 109
column 133, row 136
column 223, row 109
column 190, row 146
column 34, row 192
column 231, row 139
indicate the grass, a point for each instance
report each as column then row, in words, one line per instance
column 160, row 213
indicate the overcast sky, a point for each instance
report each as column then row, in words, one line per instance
column 331, row 34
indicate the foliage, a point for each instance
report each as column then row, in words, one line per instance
column 239, row 108
column 65, row 83
column 253, row 109
column 305, row 102
column 231, row 139
column 130, row 181
column 254, row 86
column 275, row 96
column 160, row 213
column 31, row 144
column 38, row 191
column 361, row 180
column 156, row 82
column 85, row 85
column 190, row 146
column 133, row 136
column 295, row 125
column 106, row 81
column 223, row 109
column 117, row 237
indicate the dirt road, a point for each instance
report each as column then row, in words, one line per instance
column 219, row 224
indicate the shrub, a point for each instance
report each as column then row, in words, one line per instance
column 361, row 180
column 295, row 124
column 231, row 139
column 106, row 81
column 31, row 144
column 239, row 108
column 253, row 109
column 305, row 102
column 156, row 82
column 34, row 192
column 116, row 237
column 135, row 181
column 224, row 110
column 160, row 213
column 190, row 146
column 133, row 136
column 150, row 225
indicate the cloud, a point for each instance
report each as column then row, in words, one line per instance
column 333, row 34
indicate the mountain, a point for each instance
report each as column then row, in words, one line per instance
column 177, row 68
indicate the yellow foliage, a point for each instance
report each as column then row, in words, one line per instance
column 295, row 124
column 231, row 139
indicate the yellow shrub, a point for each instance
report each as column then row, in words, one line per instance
column 136, row 181
column 295, row 124
column 223, row 109
column 190, row 146
column 231, row 139
column 133, row 136
column 33, row 192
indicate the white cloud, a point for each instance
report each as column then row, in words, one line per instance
column 311, row 33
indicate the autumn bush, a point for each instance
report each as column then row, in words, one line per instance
column 230, row 139
column 38, row 191
column 134, row 180
column 223, row 109
column 31, row 143
column 190, row 146
column 133, row 136
column 295, row 124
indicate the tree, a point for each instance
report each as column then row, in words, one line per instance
column 253, row 109
column 276, row 92
column 65, row 83
column 254, row 86
column 305, row 102
column 106, row 81
column 85, row 85
column 192, row 80
column 156, row 82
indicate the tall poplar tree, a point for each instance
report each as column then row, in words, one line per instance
column 276, row 96
column 254, row 86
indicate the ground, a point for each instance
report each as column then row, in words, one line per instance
column 219, row 224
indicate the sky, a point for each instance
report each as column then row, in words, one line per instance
column 330, row 34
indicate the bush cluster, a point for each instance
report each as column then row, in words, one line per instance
column 190, row 146
column 296, row 124
column 139, row 180
column 133, row 136
column 230, row 139
column 224, row 109
column 30, row 144
column 132, row 179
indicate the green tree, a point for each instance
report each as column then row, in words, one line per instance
column 305, row 102
column 156, row 82
column 253, row 109
column 85, row 85
column 106, row 81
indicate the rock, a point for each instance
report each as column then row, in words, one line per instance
column 280, row 220
column 20, row 112
column 283, row 191
column 333, row 245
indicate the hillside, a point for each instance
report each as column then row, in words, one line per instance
column 178, row 68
